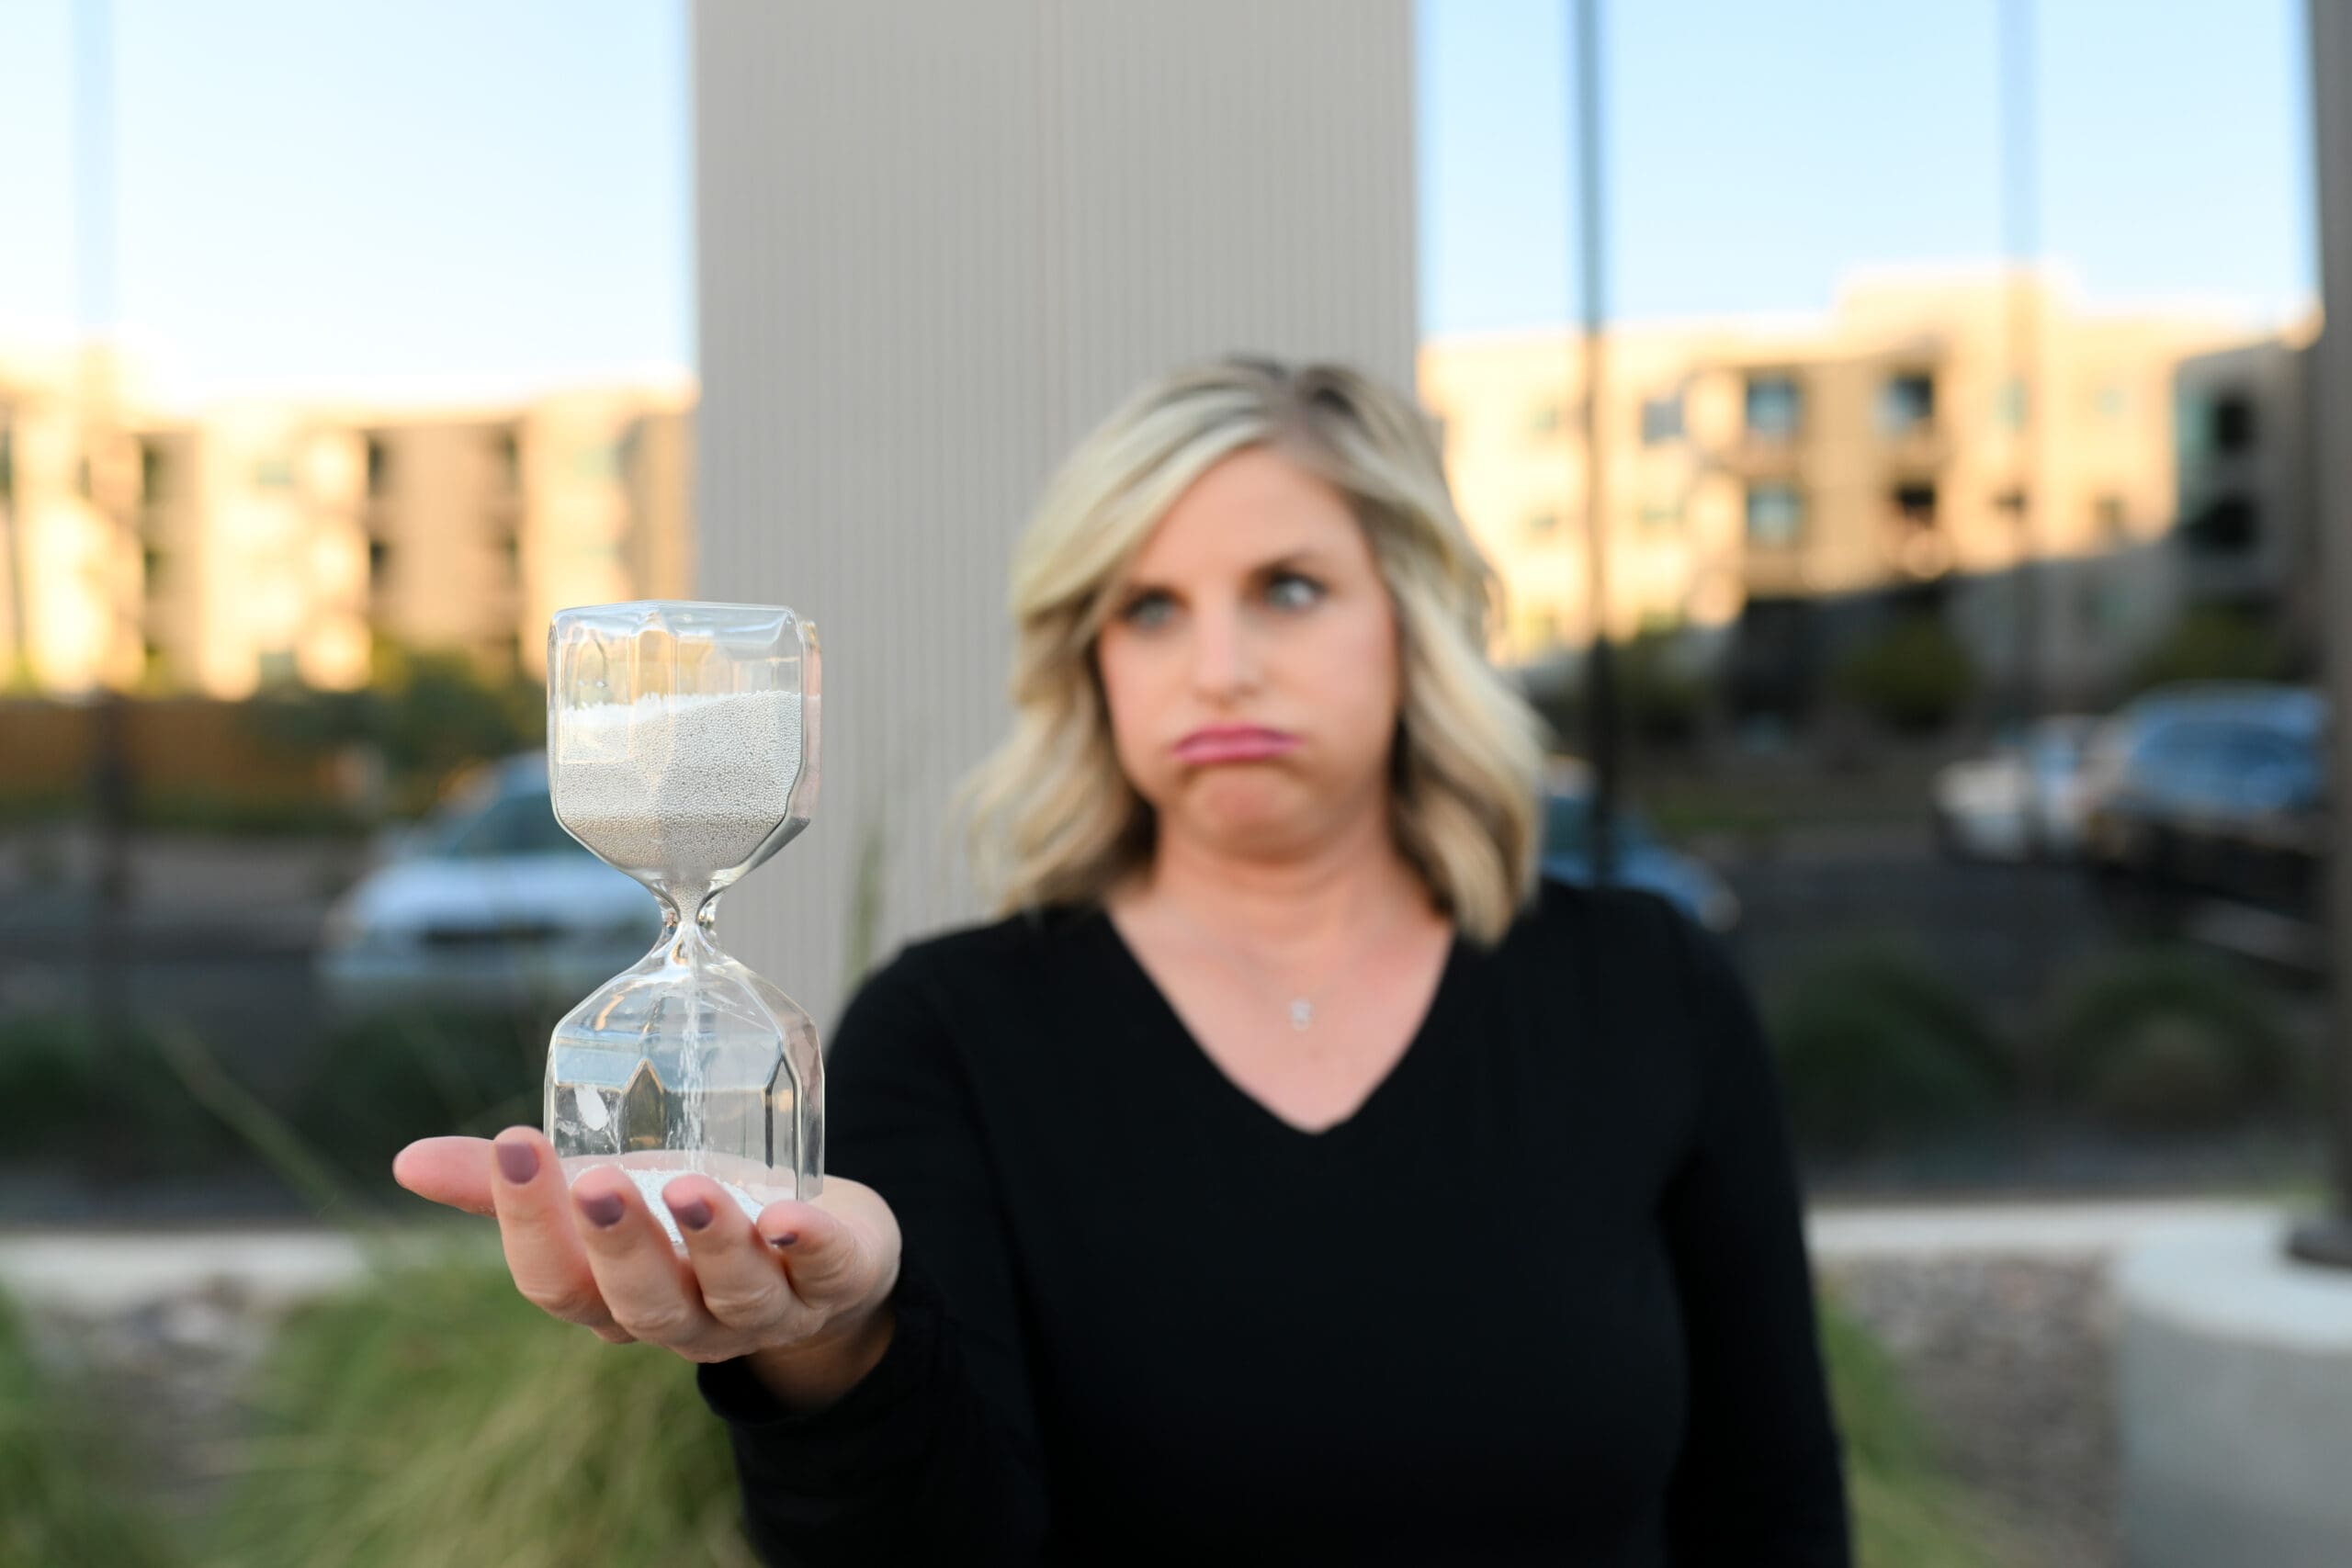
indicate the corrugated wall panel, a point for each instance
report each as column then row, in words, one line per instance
column 937, row 240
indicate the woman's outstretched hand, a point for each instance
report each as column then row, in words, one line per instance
column 804, row 1291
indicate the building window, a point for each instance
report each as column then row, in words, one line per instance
column 380, row 466
column 380, row 562
column 8, row 463
column 2230, row 526
column 2108, row 513
column 1662, row 515
column 2233, row 416
column 1916, row 504
column 154, row 471
column 1775, row 514
column 276, row 667
column 506, row 459
column 2010, row 501
column 2110, row 401
column 1775, row 407
column 82, row 476
column 1540, row 523
column 510, row 551
column 1662, row 419
column 1907, row 404
column 596, row 460
column 274, row 473
column 151, row 569
column 2009, row 404
column 1543, row 627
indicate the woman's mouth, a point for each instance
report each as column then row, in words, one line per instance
column 1233, row 743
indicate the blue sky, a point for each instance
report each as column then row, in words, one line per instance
column 1759, row 150
column 440, row 197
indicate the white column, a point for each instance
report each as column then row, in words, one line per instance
column 937, row 240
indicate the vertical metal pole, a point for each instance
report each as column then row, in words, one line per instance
column 2328, row 1239
column 110, row 777
column 2020, row 224
column 1601, row 686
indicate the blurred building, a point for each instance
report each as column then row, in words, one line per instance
column 2249, row 538
column 1775, row 484
column 257, row 544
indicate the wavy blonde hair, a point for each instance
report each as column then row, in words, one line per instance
column 1051, row 818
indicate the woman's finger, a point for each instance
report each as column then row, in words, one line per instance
column 646, row 1287
column 735, row 1266
column 455, row 1171
column 536, row 1226
column 827, row 1260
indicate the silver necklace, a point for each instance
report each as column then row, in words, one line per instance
column 1301, row 1008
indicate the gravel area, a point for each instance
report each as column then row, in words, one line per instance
column 168, row 1379
column 2008, row 1360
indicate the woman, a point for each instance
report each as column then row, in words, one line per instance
column 1290, row 1172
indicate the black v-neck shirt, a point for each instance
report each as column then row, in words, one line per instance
column 1542, row 1298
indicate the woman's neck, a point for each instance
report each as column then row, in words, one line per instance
column 1319, row 898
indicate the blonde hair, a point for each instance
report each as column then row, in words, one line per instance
column 1050, row 816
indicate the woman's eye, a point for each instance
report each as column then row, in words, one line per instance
column 1289, row 591
column 1145, row 610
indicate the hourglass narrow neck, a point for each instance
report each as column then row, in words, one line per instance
column 690, row 912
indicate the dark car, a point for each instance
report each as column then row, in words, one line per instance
column 2208, row 814
column 1643, row 859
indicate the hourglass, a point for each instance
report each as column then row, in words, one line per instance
column 682, row 749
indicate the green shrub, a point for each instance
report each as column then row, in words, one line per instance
column 53, row 1070
column 64, row 1495
column 1913, row 675
column 1905, row 1513
column 438, row 1417
column 2165, row 1039
column 2215, row 643
column 1874, row 1046
column 383, row 1081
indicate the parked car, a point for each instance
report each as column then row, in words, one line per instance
column 2208, row 813
column 1643, row 859
column 1985, row 807
column 488, row 903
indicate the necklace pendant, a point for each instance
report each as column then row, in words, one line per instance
column 1302, row 1013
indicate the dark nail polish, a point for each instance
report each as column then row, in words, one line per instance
column 693, row 1214
column 783, row 1238
column 603, row 1210
column 519, row 1162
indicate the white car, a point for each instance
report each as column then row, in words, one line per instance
column 1983, row 805
column 487, row 904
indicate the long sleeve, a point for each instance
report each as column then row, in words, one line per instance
column 933, row 1456
column 1761, row 1480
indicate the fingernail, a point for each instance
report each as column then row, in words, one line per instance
column 519, row 1162
column 603, row 1210
column 693, row 1214
column 783, row 1238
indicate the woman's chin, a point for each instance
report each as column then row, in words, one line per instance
column 1247, row 816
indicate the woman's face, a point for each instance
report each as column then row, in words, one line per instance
column 1250, row 662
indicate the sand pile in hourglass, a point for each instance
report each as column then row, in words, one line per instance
column 678, row 785
column 678, row 788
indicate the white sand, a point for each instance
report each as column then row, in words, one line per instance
column 680, row 783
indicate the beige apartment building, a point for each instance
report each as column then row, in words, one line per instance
column 260, row 544
column 1753, row 465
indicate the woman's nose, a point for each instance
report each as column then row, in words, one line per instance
column 1222, row 660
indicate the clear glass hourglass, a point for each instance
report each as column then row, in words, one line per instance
column 682, row 749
